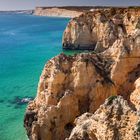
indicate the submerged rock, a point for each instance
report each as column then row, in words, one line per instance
column 21, row 101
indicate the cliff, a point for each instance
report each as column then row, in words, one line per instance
column 99, row 29
column 60, row 11
column 104, row 85
column 65, row 11
column 114, row 120
column 95, row 95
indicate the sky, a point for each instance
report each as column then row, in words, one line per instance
column 31, row 4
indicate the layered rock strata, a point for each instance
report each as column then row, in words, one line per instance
column 98, row 30
column 71, row 101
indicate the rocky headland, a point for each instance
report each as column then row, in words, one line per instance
column 100, row 28
column 70, row 12
column 95, row 95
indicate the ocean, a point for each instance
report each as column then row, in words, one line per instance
column 27, row 42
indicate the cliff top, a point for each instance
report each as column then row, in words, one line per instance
column 87, row 7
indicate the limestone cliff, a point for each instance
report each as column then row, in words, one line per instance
column 99, row 29
column 72, row 85
column 90, row 96
column 135, row 95
column 61, row 11
column 114, row 120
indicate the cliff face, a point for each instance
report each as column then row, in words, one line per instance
column 114, row 120
column 90, row 96
column 57, row 12
column 98, row 30
column 66, row 91
column 135, row 95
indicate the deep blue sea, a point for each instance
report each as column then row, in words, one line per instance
column 27, row 42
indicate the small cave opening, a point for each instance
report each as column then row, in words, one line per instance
column 69, row 127
column 84, row 104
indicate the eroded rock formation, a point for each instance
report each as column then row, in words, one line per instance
column 114, row 120
column 135, row 95
column 72, row 89
column 68, row 87
column 98, row 30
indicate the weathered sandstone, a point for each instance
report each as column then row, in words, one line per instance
column 135, row 95
column 71, row 101
column 68, row 87
column 98, row 30
column 114, row 120
column 72, row 85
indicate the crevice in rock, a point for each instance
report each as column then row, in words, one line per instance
column 103, row 67
column 69, row 126
column 29, row 118
column 128, row 87
column 84, row 104
column 85, row 136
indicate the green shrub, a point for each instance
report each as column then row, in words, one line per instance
column 138, row 24
column 110, row 99
column 93, row 52
column 138, row 127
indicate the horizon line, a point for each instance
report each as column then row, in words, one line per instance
column 106, row 6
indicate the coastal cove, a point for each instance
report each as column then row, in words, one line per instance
column 26, row 43
column 93, row 95
column 80, row 76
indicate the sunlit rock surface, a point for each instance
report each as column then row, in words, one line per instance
column 71, row 86
column 99, row 30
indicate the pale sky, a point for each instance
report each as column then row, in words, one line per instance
column 31, row 4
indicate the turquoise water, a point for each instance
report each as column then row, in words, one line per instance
column 26, row 43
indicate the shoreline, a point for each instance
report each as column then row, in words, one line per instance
column 52, row 16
